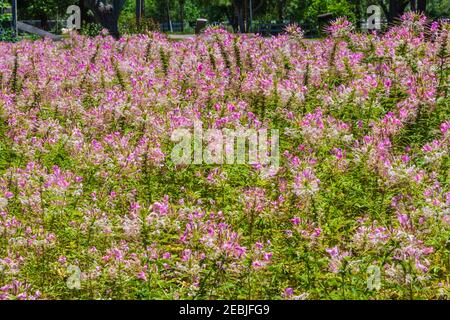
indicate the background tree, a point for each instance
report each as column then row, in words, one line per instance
column 181, row 4
column 140, row 10
column 422, row 5
column 438, row 8
column 281, row 9
column 393, row 9
column 43, row 10
column 84, row 16
column 307, row 11
column 242, row 12
column 236, row 12
column 107, row 13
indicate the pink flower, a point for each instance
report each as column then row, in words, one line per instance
column 9, row 194
column 338, row 153
column 288, row 292
column 445, row 127
column 62, row 259
column 295, row 221
column 403, row 219
column 405, row 158
column 186, row 255
column 268, row 256
column 333, row 252
column 142, row 276
column 317, row 232
column 387, row 84
column 434, row 26
column 135, row 206
column 22, row 296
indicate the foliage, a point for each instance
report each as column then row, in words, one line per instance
column 309, row 12
column 130, row 26
column 4, row 17
column 6, row 34
column 91, row 29
column 439, row 9
column 301, row 11
column 38, row 9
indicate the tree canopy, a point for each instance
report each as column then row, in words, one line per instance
column 238, row 13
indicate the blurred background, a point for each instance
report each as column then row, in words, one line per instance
column 267, row 17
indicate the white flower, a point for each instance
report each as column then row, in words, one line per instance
column 3, row 203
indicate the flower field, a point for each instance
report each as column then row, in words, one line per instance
column 92, row 205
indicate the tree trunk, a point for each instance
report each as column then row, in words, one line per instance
column 44, row 21
column 110, row 22
column 182, row 3
column 358, row 11
column 392, row 10
column 422, row 6
column 230, row 13
column 240, row 17
column 83, row 12
column 281, row 7
column 396, row 9
column 138, row 11
column 245, row 10
column 107, row 15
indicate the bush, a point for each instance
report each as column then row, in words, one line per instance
column 91, row 29
column 130, row 26
column 7, row 35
